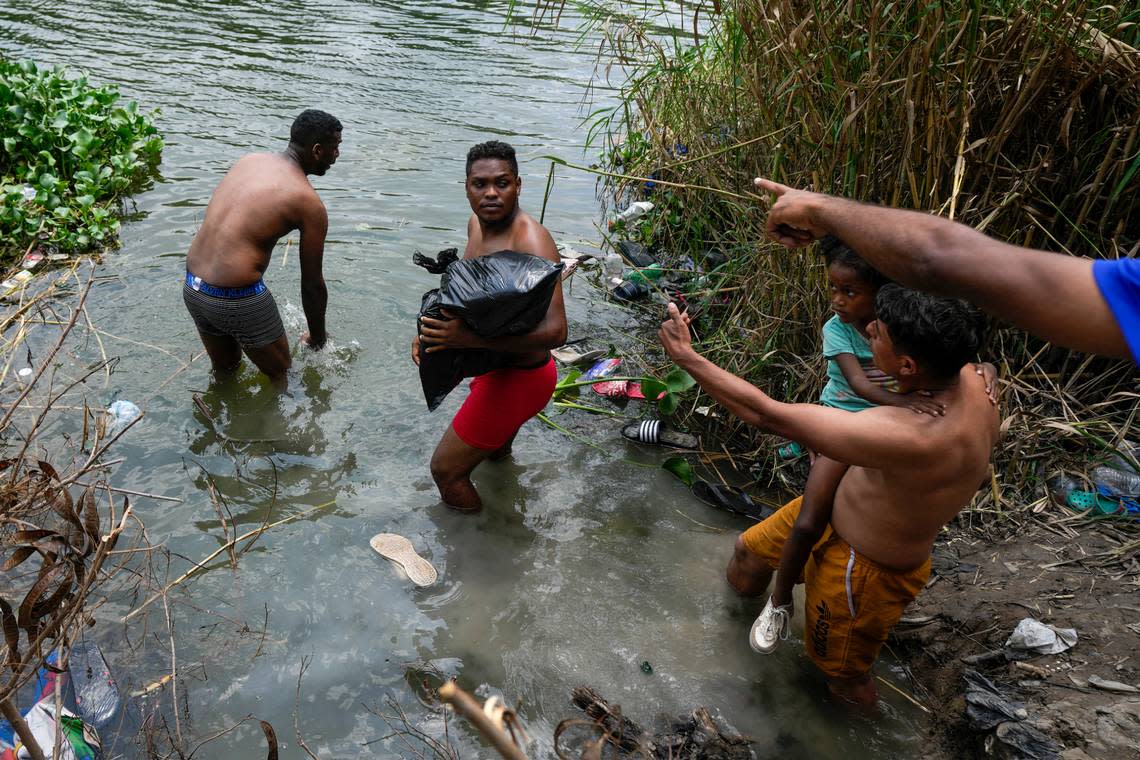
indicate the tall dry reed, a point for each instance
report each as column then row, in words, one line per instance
column 1021, row 119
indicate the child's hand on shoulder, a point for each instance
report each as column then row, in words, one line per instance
column 989, row 374
column 919, row 402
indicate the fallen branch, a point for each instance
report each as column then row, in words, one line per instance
column 464, row 704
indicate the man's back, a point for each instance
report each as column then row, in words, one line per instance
column 258, row 201
column 893, row 514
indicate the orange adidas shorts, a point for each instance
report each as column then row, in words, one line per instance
column 851, row 602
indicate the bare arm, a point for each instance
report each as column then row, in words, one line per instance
column 314, row 294
column 872, row 438
column 815, row 514
column 880, row 396
column 1053, row 296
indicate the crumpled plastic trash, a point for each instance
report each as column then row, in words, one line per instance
column 986, row 706
column 96, row 693
column 989, row 710
column 81, row 742
column 1033, row 636
column 122, row 414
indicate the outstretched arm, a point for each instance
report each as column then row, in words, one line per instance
column 314, row 293
column 1051, row 295
column 871, row 438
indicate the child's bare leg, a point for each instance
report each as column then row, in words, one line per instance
column 815, row 514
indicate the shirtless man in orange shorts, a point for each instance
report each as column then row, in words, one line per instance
column 502, row 400
column 909, row 475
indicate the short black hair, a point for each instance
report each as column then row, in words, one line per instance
column 312, row 127
column 942, row 334
column 492, row 149
column 835, row 251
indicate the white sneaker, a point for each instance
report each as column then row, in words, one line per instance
column 770, row 628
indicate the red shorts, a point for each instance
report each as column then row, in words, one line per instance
column 500, row 402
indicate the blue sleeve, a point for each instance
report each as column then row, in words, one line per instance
column 1119, row 283
column 836, row 338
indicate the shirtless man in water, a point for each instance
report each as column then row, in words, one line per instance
column 502, row 400
column 264, row 196
column 909, row 475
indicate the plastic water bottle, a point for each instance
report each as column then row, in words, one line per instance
column 96, row 693
column 1117, row 482
column 633, row 211
column 651, row 273
column 612, row 265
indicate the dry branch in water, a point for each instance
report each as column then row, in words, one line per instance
column 57, row 534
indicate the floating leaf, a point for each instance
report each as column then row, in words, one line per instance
column 90, row 514
column 47, row 469
column 17, row 558
column 680, row 467
column 564, row 387
column 270, row 739
column 11, row 631
column 25, row 619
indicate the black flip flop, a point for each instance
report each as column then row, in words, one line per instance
column 731, row 499
column 653, row 431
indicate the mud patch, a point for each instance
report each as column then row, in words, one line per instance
column 1068, row 574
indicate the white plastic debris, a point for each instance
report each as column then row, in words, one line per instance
column 25, row 372
column 1032, row 635
column 122, row 413
column 14, row 282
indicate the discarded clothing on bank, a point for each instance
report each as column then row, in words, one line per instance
column 502, row 293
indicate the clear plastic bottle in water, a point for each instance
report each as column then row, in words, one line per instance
column 1117, row 482
column 613, row 265
column 633, row 211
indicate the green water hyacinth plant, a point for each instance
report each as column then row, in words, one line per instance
column 69, row 152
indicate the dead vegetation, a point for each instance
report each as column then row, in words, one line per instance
column 60, row 520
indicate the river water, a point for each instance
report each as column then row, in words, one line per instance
column 586, row 561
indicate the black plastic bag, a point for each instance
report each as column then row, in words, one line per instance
column 441, row 371
column 504, row 293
